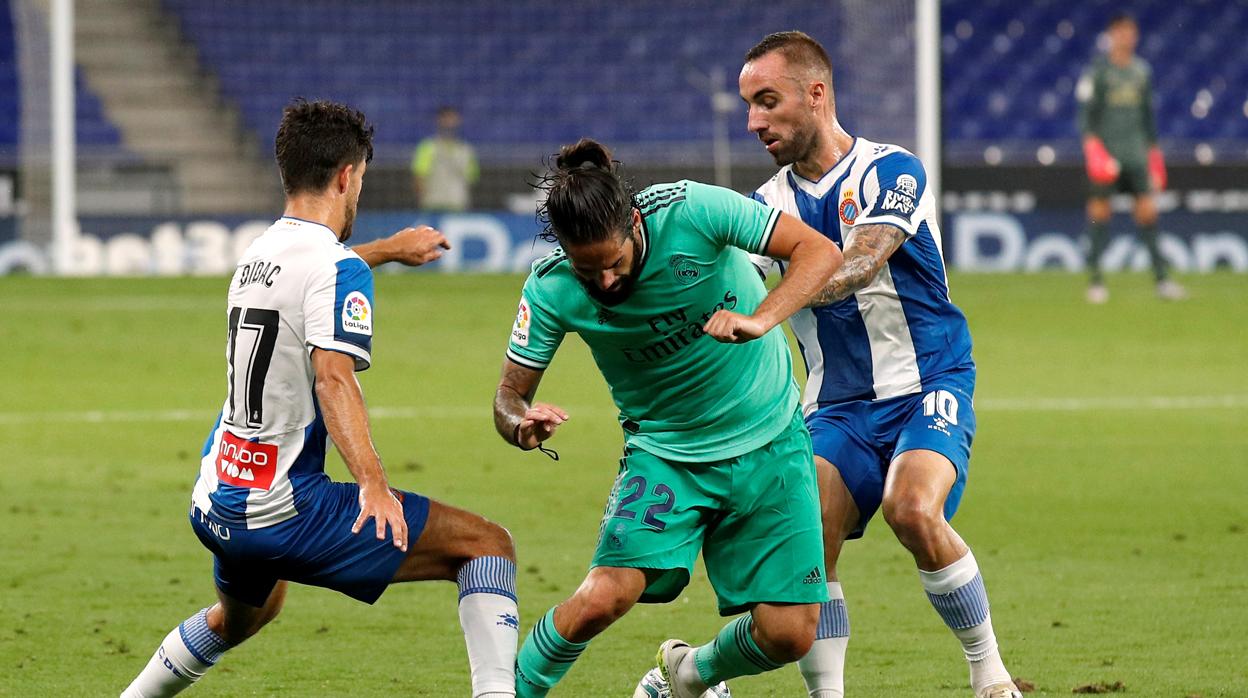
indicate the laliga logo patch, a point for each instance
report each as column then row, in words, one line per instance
column 357, row 314
column 520, row 330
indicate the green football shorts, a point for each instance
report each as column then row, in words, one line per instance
column 1132, row 179
column 754, row 517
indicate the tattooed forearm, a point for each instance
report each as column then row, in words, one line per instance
column 869, row 248
column 516, row 388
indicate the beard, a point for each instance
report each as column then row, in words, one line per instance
column 799, row 146
column 348, row 225
column 610, row 298
column 627, row 285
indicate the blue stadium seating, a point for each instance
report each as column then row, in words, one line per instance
column 538, row 72
column 95, row 133
column 521, row 72
column 526, row 73
column 10, row 108
column 1010, row 70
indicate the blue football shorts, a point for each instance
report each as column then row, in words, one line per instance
column 315, row 547
column 862, row 437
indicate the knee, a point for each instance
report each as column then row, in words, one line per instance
column 600, row 601
column 484, row 539
column 497, row 541
column 912, row 519
column 601, row 606
column 789, row 640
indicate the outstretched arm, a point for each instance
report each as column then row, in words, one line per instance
column 410, row 246
column 868, row 250
column 519, row 422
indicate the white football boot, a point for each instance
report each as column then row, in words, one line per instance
column 657, row 684
column 1098, row 294
column 1171, row 291
column 1000, row 690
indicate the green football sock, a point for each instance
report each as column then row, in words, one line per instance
column 1098, row 238
column 1148, row 234
column 731, row 654
column 544, row 658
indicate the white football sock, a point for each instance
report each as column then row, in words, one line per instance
column 185, row 655
column 491, row 623
column 957, row 592
column 823, row 668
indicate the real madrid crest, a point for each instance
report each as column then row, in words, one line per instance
column 684, row 269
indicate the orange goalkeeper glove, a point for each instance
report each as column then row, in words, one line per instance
column 1157, row 168
column 1102, row 167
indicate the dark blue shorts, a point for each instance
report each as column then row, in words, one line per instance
column 862, row 437
column 315, row 547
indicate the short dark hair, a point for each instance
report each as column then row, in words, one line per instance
column 316, row 139
column 1120, row 17
column 587, row 200
column 798, row 48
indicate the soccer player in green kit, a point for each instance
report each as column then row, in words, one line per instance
column 1120, row 147
column 716, row 456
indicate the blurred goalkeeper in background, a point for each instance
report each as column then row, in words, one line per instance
column 1120, row 147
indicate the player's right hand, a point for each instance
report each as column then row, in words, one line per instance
column 1102, row 167
column 538, row 424
column 734, row 328
column 379, row 503
column 417, row 246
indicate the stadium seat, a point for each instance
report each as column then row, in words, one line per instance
column 525, row 73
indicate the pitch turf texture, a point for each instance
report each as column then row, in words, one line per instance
column 1106, row 502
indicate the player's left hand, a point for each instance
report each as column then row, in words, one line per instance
column 734, row 328
column 380, row 504
column 1157, row 168
column 417, row 246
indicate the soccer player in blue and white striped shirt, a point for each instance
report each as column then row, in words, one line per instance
column 300, row 325
column 888, row 355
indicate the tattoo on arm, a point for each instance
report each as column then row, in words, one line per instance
column 516, row 388
column 869, row 248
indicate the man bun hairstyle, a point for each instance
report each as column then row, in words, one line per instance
column 315, row 140
column 585, row 152
column 587, row 200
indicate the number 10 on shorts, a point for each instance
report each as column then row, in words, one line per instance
column 943, row 403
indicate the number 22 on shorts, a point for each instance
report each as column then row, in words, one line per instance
column 650, row 517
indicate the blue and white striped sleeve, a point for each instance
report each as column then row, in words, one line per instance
column 892, row 189
column 338, row 311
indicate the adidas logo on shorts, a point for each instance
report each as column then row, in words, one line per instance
column 814, row 577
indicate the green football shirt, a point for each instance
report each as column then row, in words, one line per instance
column 681, row 394
column 1116, row 105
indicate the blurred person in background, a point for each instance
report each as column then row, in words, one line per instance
column 1121, row 151
column 444, row 166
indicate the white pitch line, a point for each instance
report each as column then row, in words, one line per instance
column 1069, row 404
column 1085, row 404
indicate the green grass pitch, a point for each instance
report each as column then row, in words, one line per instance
column 1106, row 502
